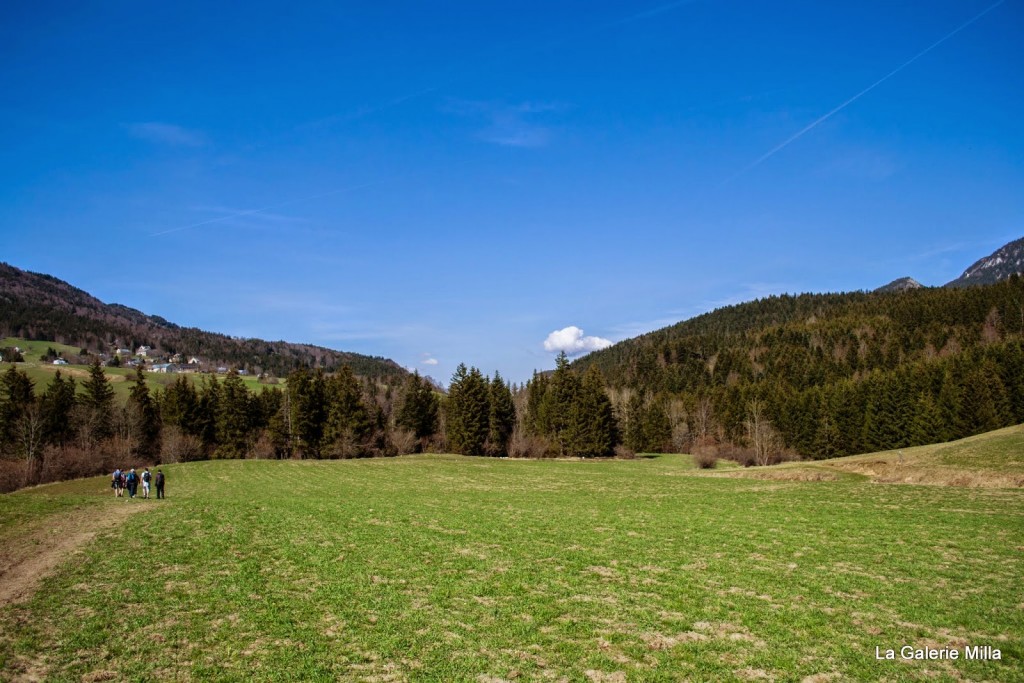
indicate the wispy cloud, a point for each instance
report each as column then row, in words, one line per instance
column 428, row 359
column 263, row 210
column 509, row 125
column 166, row 134
column 821, row 119
column 571, row 340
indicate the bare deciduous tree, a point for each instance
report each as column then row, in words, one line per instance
column 29, row 431
column 761, row 434
column 703, row 419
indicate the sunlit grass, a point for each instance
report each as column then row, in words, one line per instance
column 448, row 568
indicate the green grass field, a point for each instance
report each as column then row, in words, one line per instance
column 446, row 568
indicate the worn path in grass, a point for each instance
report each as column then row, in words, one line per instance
column 34, row 551
column 445, row 568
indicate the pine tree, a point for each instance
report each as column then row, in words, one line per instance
column 561, row 395
column 657, row 429
column 233, row 418
column 179, row 405
column 926, row 427
column 207, row 410
column 418, row 410
column 502, row 418
column 17, row 396
column 98, row 402
column 454, row 408
column 594, row 429
column 535, row 420
column 350, row 424
column 828, row 440
column 57, row 405
column 307, row 400
column 147, row 417
column 468, row 412
column 477, row 411
column 636, row 419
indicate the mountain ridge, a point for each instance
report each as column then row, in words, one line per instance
column 43, row 307
column 1004, row 262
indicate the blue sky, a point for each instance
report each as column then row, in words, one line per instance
column 438, row 187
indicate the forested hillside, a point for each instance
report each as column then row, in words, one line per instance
column 834, row 374
column 41, row 307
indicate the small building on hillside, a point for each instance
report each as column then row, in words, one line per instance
column 194, row 361
column 60, row 361
column 122, row 352
column 163, row 367
column 143, row 351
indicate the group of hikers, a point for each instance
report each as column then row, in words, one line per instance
column 129, row 480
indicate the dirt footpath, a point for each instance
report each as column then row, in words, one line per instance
column 26, row 560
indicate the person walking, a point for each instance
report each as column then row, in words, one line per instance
column 133, row 483
column 115, row 482
column 159, row 483
column 146, row 477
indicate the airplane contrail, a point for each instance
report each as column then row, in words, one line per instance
column 263, row 209
column 800, row 133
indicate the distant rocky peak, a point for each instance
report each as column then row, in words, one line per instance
column 1001, row 264
column 901, row 285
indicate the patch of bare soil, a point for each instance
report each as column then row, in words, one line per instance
column 26, row 560
column 780, row 475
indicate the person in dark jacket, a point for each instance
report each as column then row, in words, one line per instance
column 159, row 481
column 133, row 483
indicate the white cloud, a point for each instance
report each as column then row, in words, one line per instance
column 571, row 340
column 167, row 134
column 430, row 361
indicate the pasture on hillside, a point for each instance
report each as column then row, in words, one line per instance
column 121, row 379
column 448, row 568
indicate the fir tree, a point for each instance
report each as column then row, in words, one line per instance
column 502, row 419
column 926, row 427
column 179, row 405
column 556, row 410
column 535, row 420
column 418, row 410
column 98, row 402
column 17, row 396
column 594, row 432
column 308, row 405
column 57, row 405
column 147, row 417
column 350, row 423
column 657, row 429
column 468, row 412
column 233, row 418
column 208, row 408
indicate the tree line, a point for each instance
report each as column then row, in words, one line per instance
column 79, row 428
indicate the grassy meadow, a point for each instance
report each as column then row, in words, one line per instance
column 121, row 379
column 447, row 568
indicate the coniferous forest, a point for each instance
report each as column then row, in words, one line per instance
column 825, row 375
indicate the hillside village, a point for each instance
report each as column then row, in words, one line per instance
column 145, row 357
